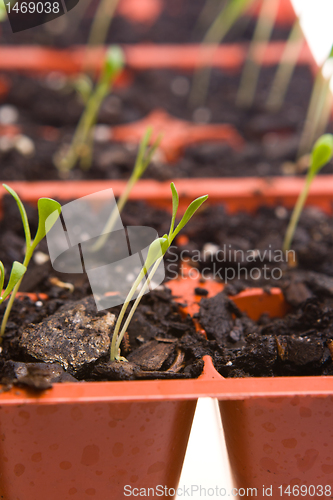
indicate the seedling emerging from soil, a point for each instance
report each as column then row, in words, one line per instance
column 155, row 255
column 81, row 146
column 16, row 274
column 3, row 13
column 321, row 154
column 143, row 159
column 262, row 34
column 225, row 20
column 84, row 86
column 286, row 68
column 48, row 212
column 319, row 109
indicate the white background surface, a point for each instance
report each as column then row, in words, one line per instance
column 206, row 461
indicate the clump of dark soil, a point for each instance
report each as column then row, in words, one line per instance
column 298, row 345
column 246, row 248
column 54, row 340
column 161, row 343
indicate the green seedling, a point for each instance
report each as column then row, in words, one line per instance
column 101, row 22
column 143, row 159
column 286, row 68
column 319, row 108
column 209, row 12
column 99, row 29
column 84, row 86
column 155, row 255
column 321, row 154
column 16, row 274
column 81, row 146
column 224, row 21
column 251, row 71
column 3, row 13
column 48, row 212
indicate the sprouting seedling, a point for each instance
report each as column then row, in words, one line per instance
column 286, row 68
column 48, row 212
column 155, row 255
column 16, row 274
column 99, row 29
column 321, row 154
column 251, row 71
column 81, row 146
column 101, row 22
column 83, row 85
column 222, row 24
column 143, row 159
column 3, row 13
column 319, row 108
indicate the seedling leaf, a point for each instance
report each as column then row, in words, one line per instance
column 322, row 153
column 191, row 209
column 114, row 61
column 141, row 153
column 156, row 250
column 23, row 213
column 48, row 212
column 175, row 204
column 16, row 274
column 2, row 276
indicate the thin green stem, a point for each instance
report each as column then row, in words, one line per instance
column 214, row 36
column 143, row 159
column 320, row 114
column 208, row 12
column 286, row 68
column 136, row 303
column 102, row 20
column 8, row 309
column 113, row 351
column 305, row 144
column 2, row 278
column 262, row 34
column 28, row 255
column 80, row 140
column 296, row 214
column 326, row 113
column 87, row 153
column 114, row 216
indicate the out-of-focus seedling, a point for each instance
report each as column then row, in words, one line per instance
column 3, row 13
column 155, row 255
column 16, row 274
column 81, row 146
column 143, row 159
column 319, row 109
column 48, row 212
column 286, row 68
column 84, row 86
column 321, row 154
column 101, row 22
column 251, row 71
column 224, row 21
